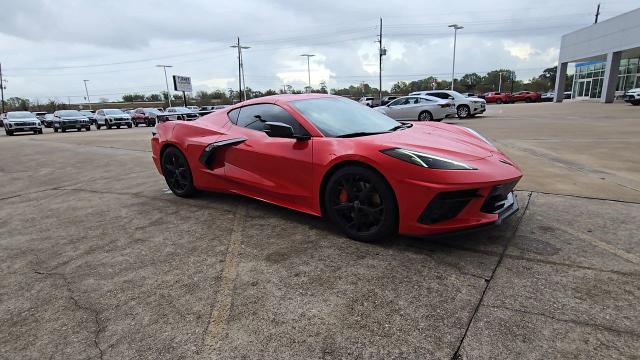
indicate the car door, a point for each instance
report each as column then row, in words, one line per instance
column 410, row 109
column 100, row 117
column 396, row 107
column 273, row 169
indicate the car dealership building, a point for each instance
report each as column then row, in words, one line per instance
column 606, row 57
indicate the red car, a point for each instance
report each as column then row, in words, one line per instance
column 330, row 156
column 497, row 97
column 146, row 116
column 526, row 96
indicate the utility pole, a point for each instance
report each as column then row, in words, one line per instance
column 455, row 27
column 87, row 91
column 308, row 68
column 597, row 13
column 1, row 90
column 500, row 83
column 284, row 88
column 382, row 52
column 240, row 69
column 166, row 81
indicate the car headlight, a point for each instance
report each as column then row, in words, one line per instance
column 426, row 160
column 478, row 135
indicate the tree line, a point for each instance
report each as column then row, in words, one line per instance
column 504, row 79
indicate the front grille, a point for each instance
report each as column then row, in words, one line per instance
column 23, row 123
column 447, row 205
column 497, row 195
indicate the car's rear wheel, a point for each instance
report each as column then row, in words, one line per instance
column 527, row 100
column 177, row 173
column 108, row 125
column 55, row 129
column 361, row 203
column 425, row 116
column 63, row 129
column 129, row 126
column 8, row 132
column 463, row 111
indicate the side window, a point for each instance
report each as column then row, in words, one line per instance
column 233, row 115
column 100, row 112
column 425, row 101
column 255, row 116
column 396, row 102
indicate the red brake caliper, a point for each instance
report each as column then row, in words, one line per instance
column 343, row 197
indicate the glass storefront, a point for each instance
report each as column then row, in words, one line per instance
column 587, row 80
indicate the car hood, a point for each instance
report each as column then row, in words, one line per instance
column 436, row 139
column 633, row 91
column 73, row 118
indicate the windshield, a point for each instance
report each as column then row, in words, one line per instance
column 86, row 113
column 153, row 111
column 337, row 117
column 181, row 110
column 69, row 113
column 113, row 112
column 20, row 115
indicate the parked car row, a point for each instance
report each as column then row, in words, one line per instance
column 460, row 105
column 63, row 120
column 510, row 98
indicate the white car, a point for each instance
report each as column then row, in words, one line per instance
column 193, row 108
column 421, row 108
column 366, row 100
column 112, row 118
column 180, row 113
column 465, row 106
column 21, row 121
column 632, row 96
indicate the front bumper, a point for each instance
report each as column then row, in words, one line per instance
column 23, row 128
column 478, row 108
column 72, row 126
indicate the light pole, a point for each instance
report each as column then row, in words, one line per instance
column 455, row 27
column 240, row 69
column 87, row 91
column 166, row 81
column 308, row 68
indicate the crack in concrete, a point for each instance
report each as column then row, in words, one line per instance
column 76, row 303
column 581, row 197
column 456, row 355
column 220, row 313
column 571, row 321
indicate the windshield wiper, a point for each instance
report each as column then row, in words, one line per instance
column 360, row 133
column 401, row 126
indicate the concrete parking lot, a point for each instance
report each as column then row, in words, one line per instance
column 98, row 260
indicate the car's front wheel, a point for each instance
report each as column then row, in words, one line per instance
column 361, row 203
column 463, row 111
column 177, row 173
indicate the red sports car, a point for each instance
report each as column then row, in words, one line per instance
column 329, row 156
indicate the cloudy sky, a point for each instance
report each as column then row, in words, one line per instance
column 47, row 47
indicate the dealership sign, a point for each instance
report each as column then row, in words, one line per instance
column 182, row 83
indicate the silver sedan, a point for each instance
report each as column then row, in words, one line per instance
column 421, row 108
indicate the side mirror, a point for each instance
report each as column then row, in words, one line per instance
column 278, row 130
column 451, row 98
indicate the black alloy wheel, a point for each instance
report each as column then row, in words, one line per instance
column 177, row 174
column 361, row 203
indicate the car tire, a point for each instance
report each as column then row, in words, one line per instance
column 8, row 132
column 98, row 126
column 463, row 111
column 425, row 116
column 88, row 128
column 130, row 126
column 108, row 125
column 498, row 101
column 55, row 129
column 136, row 124
column 177, row 173
column 361, row 203
column 527, row 100
column 63, row 129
